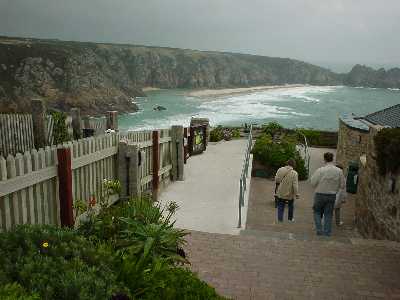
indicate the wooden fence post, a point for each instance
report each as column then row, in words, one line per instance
column 123, row 170
column 39, row 123
column 156, row 164
column 191, row 140
column 112, row 120
column 185, row 145
column 177, row 152
column 65, row 186
column 76, row 123
column 205, row 137
column 133, row 175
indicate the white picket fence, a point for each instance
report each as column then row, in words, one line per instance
column 145, row 142
column 29, row 188
column 98, row 124
column 16, row 133
column 29, row 185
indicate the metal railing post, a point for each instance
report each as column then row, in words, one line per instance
column 244, row 175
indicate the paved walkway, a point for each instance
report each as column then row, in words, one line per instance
column 262, row 214
column 288, row 261
column 249, row 267
column 208, row 197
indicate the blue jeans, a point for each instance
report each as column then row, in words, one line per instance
column 323, row 203
column 281, row 209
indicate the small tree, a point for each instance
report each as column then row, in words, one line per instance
column 387, row 147
column 60, row 130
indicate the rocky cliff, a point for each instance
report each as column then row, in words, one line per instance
column 368, row 77
column 98, row 77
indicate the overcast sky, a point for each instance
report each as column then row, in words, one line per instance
column 321, row 31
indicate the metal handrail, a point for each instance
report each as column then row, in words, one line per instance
column 244, row 174
column 307, row 155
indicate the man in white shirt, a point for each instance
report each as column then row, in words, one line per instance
column 327, row 180
column 287, row 189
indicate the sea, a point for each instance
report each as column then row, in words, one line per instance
column 315, row 107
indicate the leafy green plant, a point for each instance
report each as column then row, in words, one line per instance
column 191, row 287
column 128, row 251
column 387, row 148
column 110, row 187
column 80, row 207
column 235, row 133
column 313, row 136
column 57, row 263
column 272, row 128
column 217, row 134
column 15, row 291
column 60, row 130
column 154, row 240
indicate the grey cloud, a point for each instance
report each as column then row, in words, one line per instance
column 328, row 31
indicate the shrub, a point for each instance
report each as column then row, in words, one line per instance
column 217, row 134
column 57, row 264
column 387, row 147
column 301, row 167
column 313, row 136
column 272, row 128
column 190, row 287
column 275, row 155
column 15, row 291
column 126, row 252
column 144, row 240
column 60, row 130
column 236, row 133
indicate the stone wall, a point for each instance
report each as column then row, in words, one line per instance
column 377, row 205
column 352, row 143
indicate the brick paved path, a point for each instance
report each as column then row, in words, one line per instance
column 288, row 261
column 261, row 215
column 248, row 267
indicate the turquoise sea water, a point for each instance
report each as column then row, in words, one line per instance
column 308, row 106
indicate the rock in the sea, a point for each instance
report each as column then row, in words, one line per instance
column 159, row 107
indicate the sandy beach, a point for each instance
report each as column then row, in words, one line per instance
column 150, row 88
column 234, row 91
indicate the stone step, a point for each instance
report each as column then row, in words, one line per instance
column 268, row 265
column 275, row 235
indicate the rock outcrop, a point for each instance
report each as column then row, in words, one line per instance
column 368, row 77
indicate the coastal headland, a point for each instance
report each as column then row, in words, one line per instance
column 98, row 77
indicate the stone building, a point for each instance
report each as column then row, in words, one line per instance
column 352, row 139
column 378, row 196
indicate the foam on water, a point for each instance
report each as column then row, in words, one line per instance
column 307, row 106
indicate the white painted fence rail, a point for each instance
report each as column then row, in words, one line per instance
column 29, row 183
column 16, row 133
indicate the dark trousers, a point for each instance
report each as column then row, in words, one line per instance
column 281, row 209
column 323, row 205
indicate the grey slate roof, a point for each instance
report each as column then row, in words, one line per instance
column 387, row 117
column 352, row 121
